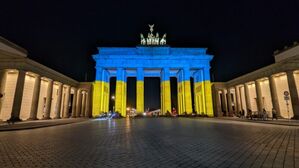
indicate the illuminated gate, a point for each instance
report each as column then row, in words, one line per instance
column 153, row 58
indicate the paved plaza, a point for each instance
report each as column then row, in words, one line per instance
column 152, row 142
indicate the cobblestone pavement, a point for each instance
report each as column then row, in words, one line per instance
column 156, row 142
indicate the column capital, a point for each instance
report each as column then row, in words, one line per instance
column 65, row 85
column 74, row 88
column 46, row 79
column 99, row 73
column 140, row 74
column 165, row 68
column 186, row 73
column 186, row 68
column 120, row 68
column 165, row 74
column 206, row 73
column 139, row 68
column 58, row 83
column 120, row 74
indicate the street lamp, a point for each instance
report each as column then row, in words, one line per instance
column 113, row 99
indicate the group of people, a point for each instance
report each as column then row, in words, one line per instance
column 262, row 115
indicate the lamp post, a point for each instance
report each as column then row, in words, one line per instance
column 113, row 99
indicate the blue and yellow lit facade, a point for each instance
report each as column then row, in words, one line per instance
column 154, row 61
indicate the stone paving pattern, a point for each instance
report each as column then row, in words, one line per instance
column 153, row 142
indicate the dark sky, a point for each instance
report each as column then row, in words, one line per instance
column 63, row 35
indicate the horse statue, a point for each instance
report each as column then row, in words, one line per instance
column 156, row 39
column 163, row 40
column 142, row 39
column 149, row 39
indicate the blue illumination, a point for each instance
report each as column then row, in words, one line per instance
column 165, row 74
column 140, row 75
column 140, row 61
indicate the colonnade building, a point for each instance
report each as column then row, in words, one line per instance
column 30, row 90
column 274, row 86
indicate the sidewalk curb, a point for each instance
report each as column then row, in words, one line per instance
column 260, row 122
column 39, row 126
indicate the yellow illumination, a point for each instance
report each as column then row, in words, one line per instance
column 203, row 98
column 140, row 97
column 208, row 98
column 188, row 98
column 184, row 97
column 100, row 98
column 165, row 97
column 120, row 98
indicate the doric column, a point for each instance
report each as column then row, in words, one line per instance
column 247, row 100
column 180, row 88
column 293, row 93
column 259, row 96
column 48, row 99
column 140, row 91
column 66, row 102
column 79, row 102
column 197, row 92
column 165, row 91
column 58, row 104
column 216, row 102
column 274, row 97
column 107, row 90
column 208, row 92
column 229, row 99
column 35, row 98
column 224, row 102
column 2, row 87
column 18, row 96
column 82, row 114
column 238, row 104
column 120, row 97
column 187, row 90
column 86, row 112
column 74, row 103
column 100, row 92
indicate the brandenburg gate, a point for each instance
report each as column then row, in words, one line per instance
column 153, row 58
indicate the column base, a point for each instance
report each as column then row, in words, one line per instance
column 14, row 119
column 296, row 117
column 57, row 118
column 31, row 119
column 46, row 118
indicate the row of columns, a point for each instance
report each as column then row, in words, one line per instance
column 203, row 100
column 61, row 108
column 292, row 87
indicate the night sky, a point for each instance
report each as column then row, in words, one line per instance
column 64, row 35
